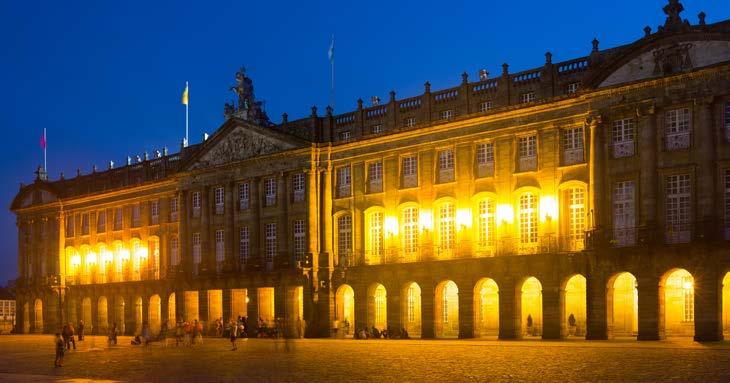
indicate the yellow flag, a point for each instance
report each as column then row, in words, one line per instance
column 185, row 95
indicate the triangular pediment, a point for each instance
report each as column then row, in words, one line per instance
column 237, row 141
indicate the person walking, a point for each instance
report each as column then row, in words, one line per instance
column 60, row 347
column 81, row 330
column 233, row 328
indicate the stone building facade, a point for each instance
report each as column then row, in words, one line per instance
column 586, row 198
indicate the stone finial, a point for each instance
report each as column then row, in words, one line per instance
column 146, row 156
column 284, row 118
column 78, row 172
column 62, row 176
column 392, row 96
column 93, row 168
column 129, row 160
column 674, row 21
column 647, row 31
column 164, row 151
column 139, row 159
column 548, row 58
column 158, row 153
column 427, row 87
column 329, row 111
column 359, row 104
column 702, row 16
column 595, row 44
column 483, row 75
column 505, row 69
column 314, row 112
column 111, row 165
column 465, row 78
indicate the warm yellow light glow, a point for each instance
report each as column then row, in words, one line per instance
column 91, row 258
column 548, row 208
column 463, row 218
column 425, row 220
column 141, row 252
column 688, row 285
column 391, row 225
column 75, row 260
column 505, row 214
column 124, row 253
column 107, row 256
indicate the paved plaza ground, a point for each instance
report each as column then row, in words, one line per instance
column 29, row 358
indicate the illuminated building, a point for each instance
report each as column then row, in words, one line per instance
column 588, row 197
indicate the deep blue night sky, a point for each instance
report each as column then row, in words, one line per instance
column 105, row 78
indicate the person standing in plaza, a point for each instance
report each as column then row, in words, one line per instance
column 233, row 328
column 81, row 330
column 60, row 347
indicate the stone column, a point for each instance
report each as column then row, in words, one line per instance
column 509, row 309
column 650, row 327
column 179, row 304
column 93, row 327
column 226, row 303
column 708, row 305
column 552, row 309
column 595, row 183
column 596, row 316
column 466, row 310
column 428, row 293
column 203, row 307
column 165, row 311
column 648, row 144
column 252, row 310
column 393, row 306
column 706, row 169
column 361, row 306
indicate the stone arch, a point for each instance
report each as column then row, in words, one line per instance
column 345, row 308
column 486, row 308
column 446, row 311
column 726, row 305
column 102, row 315
column 411, row 309
column 154, row 316
column 38, row 315
column 86, row 315
column 377, row 309
column 574, row 304
column 676, row 303
column 622, row 305
column 531, row 307
column 171, row 310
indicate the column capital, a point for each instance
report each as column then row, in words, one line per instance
column 593, row 120
column 704, row 101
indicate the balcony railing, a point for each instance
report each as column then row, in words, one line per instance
column 526, row 164
column 623, row 149
column 485, row 170
column 410, row 181
column 677, row 141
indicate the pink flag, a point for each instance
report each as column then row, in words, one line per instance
column 43, row 140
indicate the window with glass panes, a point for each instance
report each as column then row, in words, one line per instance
column 528, row 218
column 528, row 146
column 196, row 200
column 196, row 248
column 485, row 106
column 573, row 87
column 409, row 122
column 576, row 217
column 101, row 221
column 174, row 205
column 376, row 129
column 622, row 137
column 677, row 128
column 678, row 211
column 219, row 195
column 85, row 224
column 446, row 226
column 411, row 303
column 154, row 211
column 174, row 251
column 70, row 225
column 270, row 191
column 446, row 114
column 485, row 153
column 244, row 245
column 375, row 172
column 346, row 135
column 118, row 216
column 486, row 222
column 297, row 186
column 300, row 243
column 220, row 248
column 409, row 229
column 624, row 220
column 343, row 181
column 375, row 232
column 410, row 166
column 727, row 203
column 527, row 97
column 445, row 304
column 572, row 146
column 688, row 294
column 270, row 252
column 136, row 214
column 380, row 307
column 344, row 237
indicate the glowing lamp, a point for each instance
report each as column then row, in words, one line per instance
column 688, row 285
column 141, row 252
column 124, row 253
column 391, row 225
column 425, row 220
column 505, row 214
column 107, row 256
column 91, row 258
column 247, row 300
column 76, row 260
column 548, row 208
column 463, row 218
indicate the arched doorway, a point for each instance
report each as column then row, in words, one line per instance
column 171, row 313
column 531, row 307
column 138, row 315
column 155, row 314
column 345, row 309
column 38, row 316
column 447, row 310
column 622, row 308
column 377, row 307
column 486, row 308
column 726, row 305
column 102, row 316
column 86, row 315
column 678, row 311
column 119, row 315
column 411, row 309
column 574, row 315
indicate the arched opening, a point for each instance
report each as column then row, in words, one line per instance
column 678, row 304
column 155, row 314
column 726, row 305
column 377, row 307
column 574, row 315
column 119, row 315
column 71, row 314
column 486, row 308
column 191, row 306
column 447, row 310
column 622, row 308
column 266, row 305
column 38, row 316
column 239, row 303
column 138, row 316
column 26, row 318
column 345, row 309
column 531, row 307
column 171, row 312
column 411, row 309
column 86, row 315
column 215, row 308
column 102, row 316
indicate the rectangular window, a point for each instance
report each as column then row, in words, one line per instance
column 154, row 212
column 409, row 171
column 409, row 228
column 446, row 228
column 573, row 87
column 174, row 251
column 70, row 225
column 572, row 146
column 300, row 240
column 346, row 135
column 622, row 136
column 727, row 121
column 136, row 215
column 101, row 221
column 527, row 153
column 118, row 218
column 297, row 186
column 270, row 252
column 375, row 129
column 485, row 106
column 576, row 219
column 446, row 165
column 688, row 295
column 527, row 97
column 486, row 223
column 375, row 239
column 485, row 159
column 624, row 218
column 244, row 195
column 219, row 197
column 85, row 224
column 727, row 204
column 220, row 250
column 678, row 209
column 446, row 114
column 270, row 191
column 375, row 177
column 528, row 223
column 409, row 122
column 196, row 204
column 344, row 239
column 196, row 252
column 677, row 129
column 343, row 181
column 244, row 245
column 174, row 206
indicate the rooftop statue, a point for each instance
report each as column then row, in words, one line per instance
column 246, row 107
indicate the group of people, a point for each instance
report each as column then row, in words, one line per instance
column 387, row 333
column 65, row 340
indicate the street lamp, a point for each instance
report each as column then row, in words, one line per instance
column 58, row 285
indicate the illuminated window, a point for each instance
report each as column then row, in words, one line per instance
column 677, row 128
column 528, row 222
column 485, row 106
column 174, row 206
column 343, row 181
column 380, row 306
column 196, row 250
column 174, row 251
column 446, row 114
column 678, row 210
column 219, row 197
column 118, row 217
column 573, row 87
column 446, row 165
column 409, row 230
column 220, row 249
column 196, row 204
column 346, row 135
column 344, row 238
column 409, row 171
column 409, row 122
column 70, row 225
column 270, row 243
column 485, row 159
column 85, row 224
column 376, row 129
column 527, row 97
column 244, row 195
column 243, row 245
column 270, row 191
column 572, row 146
column 375, row 177
column 154, row 212
column 689, row 298
column 101, row 221
column 527, row 151
column 297, row 186
column 300, row 243
column 576, row 218
column 622, row 136
column 445, row 303
column 486, row 222
column 446, row 226
column 727, row 203
column 624, row 223
column 375, row 237
column 411, row 303
column 136, row 215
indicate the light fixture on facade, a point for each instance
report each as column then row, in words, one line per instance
column 548, row 208
column 425, row 220
column 463, row 218
column 505, row 214
column 391, row 225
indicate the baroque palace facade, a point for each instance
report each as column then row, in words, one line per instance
column 586, row 198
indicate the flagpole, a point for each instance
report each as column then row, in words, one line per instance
column 187, row 104
column 45, row 146
column 332, row 74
